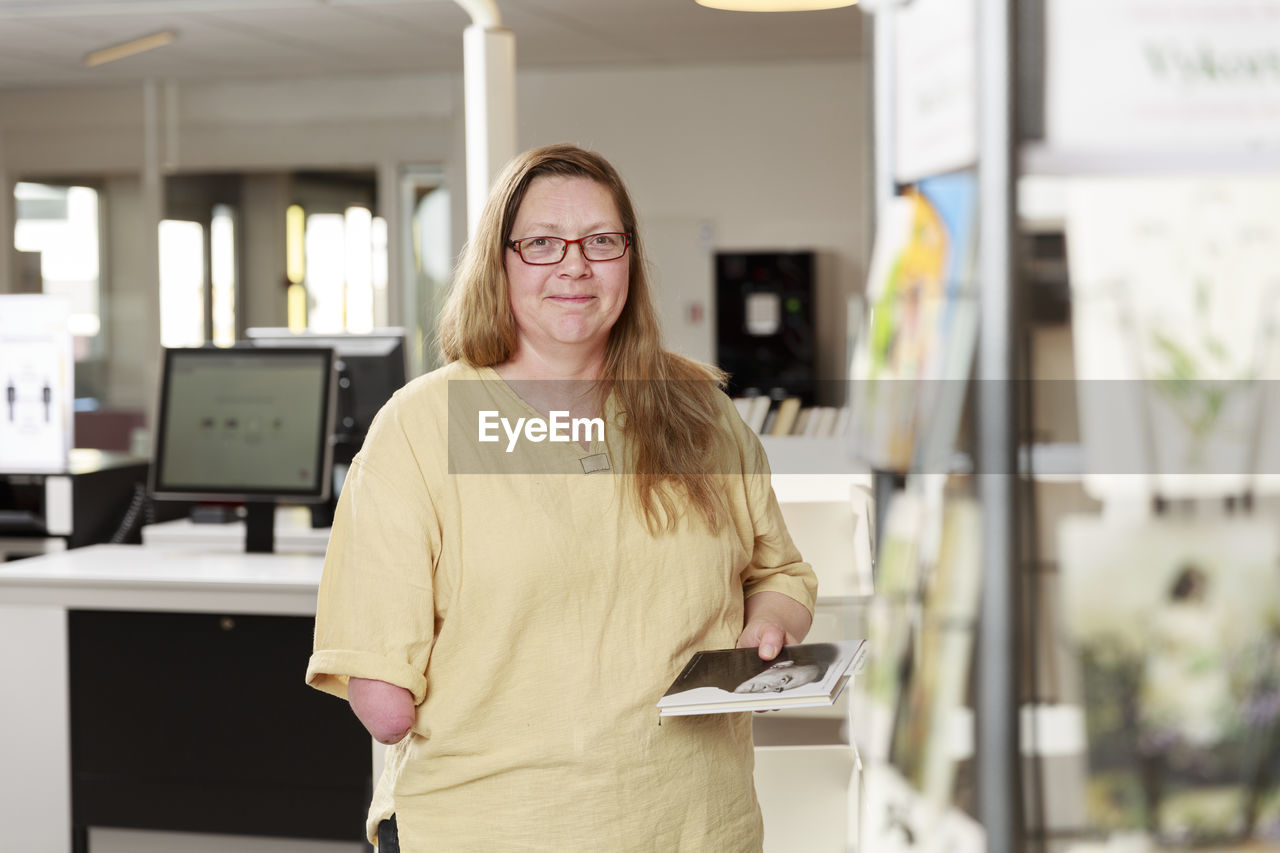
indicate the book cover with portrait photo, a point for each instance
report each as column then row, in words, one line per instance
column 729, row 680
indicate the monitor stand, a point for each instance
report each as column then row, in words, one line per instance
column 260, row 527
column 322, row 514
column 213, row 514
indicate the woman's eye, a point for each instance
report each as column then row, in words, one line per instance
column 537, row 242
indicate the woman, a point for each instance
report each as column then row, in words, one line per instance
column 506, row 613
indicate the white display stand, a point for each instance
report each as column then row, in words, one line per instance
column 808, row 796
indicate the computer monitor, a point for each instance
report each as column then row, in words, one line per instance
column 370, row 366
column 246, row 425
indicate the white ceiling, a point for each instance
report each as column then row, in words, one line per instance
column 43, row 42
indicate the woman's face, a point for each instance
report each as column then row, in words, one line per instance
column 781, row 676
column 573, row 303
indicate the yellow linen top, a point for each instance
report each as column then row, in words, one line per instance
column 537, row 621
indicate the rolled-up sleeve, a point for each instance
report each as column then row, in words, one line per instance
column 375, row 613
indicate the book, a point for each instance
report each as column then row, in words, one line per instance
column 804, row 675
column 820, row 422
column 843, row 416
column 802, row 420
column 788, row 410
column 767, row 427
column 757, row 412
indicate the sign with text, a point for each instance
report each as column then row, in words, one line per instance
column 36, row 368
column 935, row 78
column 1159, row 75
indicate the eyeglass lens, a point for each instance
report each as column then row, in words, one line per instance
column 551, row 250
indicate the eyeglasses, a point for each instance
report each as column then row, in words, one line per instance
column 551, row 250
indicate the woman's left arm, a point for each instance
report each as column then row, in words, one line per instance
column 780, row 589
column 772, row 620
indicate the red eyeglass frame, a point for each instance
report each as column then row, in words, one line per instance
column 514, row 245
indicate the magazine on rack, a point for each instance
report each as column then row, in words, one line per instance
column 808, row 675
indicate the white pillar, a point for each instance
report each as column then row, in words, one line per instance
column 998, row 762
column 8, row 214
column 489, row 68
column 391, row 208
column 147, row 322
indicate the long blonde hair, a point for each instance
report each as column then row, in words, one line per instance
column 671, row 416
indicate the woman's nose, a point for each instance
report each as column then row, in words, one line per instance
column 574, row 259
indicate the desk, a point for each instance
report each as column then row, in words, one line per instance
column 36, row 597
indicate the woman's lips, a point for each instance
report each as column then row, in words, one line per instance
column 571, row 300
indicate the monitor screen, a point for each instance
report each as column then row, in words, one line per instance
column 370, row 366
column 244, row 424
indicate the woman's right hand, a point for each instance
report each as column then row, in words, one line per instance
column 385, row 710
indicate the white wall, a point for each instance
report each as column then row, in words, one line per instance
column 773, row 156
column 766, row 156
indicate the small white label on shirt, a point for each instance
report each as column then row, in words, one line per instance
column 595, row 462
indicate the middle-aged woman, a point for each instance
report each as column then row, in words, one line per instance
column 505, row 607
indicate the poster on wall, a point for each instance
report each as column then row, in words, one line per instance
column 36, row 390
column 935, row 52
column 1176, row 623
column 1176, row 320
column 1159, row 75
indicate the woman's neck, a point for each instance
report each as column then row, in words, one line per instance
column 531, row 364
column 556, row 382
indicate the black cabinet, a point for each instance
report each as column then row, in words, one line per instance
column 765, row 334
column 203, row 723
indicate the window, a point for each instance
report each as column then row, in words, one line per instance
column 56, row 233
column 198, row 299
column 222, row 274
column 181, row 283
column 340, row 259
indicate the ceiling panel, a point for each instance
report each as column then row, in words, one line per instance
column 43, row 42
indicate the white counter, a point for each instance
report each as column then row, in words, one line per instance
column 173, row 578
column 35, row 595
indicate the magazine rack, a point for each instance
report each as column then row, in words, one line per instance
column 1016, row 130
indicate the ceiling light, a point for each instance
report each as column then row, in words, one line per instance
column 129, row 48
column 775, row 5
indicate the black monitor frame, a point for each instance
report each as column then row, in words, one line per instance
column 259, row 499
column 354, row 353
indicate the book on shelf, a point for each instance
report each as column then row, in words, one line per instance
column 804, row 675
column 802, row 420
column 843, row 417
column 811, row 422
column 785, row 420
column 757, row 411
column 766, row 428
column 820, row 422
